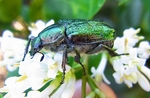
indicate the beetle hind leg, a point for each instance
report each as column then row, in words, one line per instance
column 105, row 47
column 112, row 52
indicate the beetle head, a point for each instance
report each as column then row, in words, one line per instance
column 36, row 46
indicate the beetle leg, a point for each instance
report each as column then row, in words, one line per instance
column 111, row 51
column 77, row 59
column 42, row 56
column 103, row 47
column 27, row 47
column 64, row 60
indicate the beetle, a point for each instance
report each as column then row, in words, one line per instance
column 74, row 36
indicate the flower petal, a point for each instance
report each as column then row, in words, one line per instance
column 128, row 83
column 146, row 71
column 70, row 88
column 34, row 94
column 118, row 78
column 143, row 82
column 105, row 79
column 117, row 64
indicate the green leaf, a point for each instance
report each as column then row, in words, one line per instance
column 121, row 2
column 1, row 96
column 60, row 9
column 146, row 4
column 9, row 9
column 35, row 9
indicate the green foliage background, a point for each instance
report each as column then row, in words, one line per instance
column 120, row 14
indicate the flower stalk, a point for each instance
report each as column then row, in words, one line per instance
column 84, row 77
column 94, row 87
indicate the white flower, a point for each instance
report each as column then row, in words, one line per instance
column 123, row 43
column 38, row 71
column 67, row 89
column 124, row 73
column 129, row 39
column 7, row 34
column 129, row 75
column 139, row 63
column 38, row 27
column 132, row 59
column 54, row 66
column 12, row 53
column 99, row 72
column 131, row 35
column 15, row 87
column 127, row 70
column 144, row 49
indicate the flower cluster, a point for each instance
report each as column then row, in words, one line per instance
column 35, row 75
column 10, row 53
column 131, row 68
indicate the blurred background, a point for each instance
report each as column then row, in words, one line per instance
column 119, row 14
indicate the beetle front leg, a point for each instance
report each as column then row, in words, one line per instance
column 27, row 47
column 64, row 60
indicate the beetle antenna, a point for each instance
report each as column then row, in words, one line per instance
column 27, row 47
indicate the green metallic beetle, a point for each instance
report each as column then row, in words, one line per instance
column 74, row 36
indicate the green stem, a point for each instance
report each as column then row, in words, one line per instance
column 91, row 84
column 94, row 87
column 83, row 86
column 84, row 77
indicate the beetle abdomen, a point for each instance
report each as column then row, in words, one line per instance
column 86, row 48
